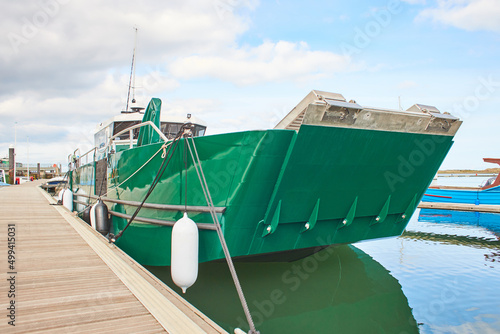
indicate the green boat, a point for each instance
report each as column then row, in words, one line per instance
column 331, row 172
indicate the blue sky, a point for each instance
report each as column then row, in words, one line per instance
column 243, row 64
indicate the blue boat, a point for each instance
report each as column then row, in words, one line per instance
column 489, row 193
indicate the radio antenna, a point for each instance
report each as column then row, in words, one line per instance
column 131, row 83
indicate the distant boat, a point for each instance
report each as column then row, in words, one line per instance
column 488, row 193
column 55, row 183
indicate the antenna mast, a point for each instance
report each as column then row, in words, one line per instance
column 131, row 83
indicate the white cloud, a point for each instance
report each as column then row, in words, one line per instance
column 64, row 65
column 58, row 46
column 266, row 62
column 71, row 120
column 470, row 15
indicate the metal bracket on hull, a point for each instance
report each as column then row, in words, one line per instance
column 383, row 213
column 350, row 215
column 406, row 215
column 274, row 221
column 312, row 219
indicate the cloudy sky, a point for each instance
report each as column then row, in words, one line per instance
column 243, row 64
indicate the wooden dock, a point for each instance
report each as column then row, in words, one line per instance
column 460, row 207
column 65, row 277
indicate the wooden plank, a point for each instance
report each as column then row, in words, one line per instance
column 171, row 318
column 460, row 207
column 48, row 254
column 178, row 303
column 138, row 325
column 68, row 279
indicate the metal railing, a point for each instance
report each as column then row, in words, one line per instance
column 131, row 137
column 163, row 207
column 167, row 207
column 76, row 159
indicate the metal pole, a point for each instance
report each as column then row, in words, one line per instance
column 12, row 161
column 15, row 150
column 28, row 157
column 132, row 73
column 135, row 60
column 232, row 270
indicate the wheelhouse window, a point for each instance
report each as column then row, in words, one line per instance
column 120, row 126
column 101, row 137
column 170, row 130
column 199, row 130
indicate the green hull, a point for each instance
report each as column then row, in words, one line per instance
column 282, row 190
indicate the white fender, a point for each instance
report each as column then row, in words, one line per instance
column 68, row 199
column 60, row 195
column 184, row 265
column 92, row 216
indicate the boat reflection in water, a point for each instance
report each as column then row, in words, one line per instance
column 489, row 221
column 339, row 289
column 467, row 219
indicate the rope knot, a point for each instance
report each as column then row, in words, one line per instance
column 164, row 148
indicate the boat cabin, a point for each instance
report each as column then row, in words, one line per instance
column 169, row 126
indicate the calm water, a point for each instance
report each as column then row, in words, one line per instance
column 441, row 276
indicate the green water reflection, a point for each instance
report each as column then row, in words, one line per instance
column 338, row 290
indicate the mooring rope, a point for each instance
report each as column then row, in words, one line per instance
column 166, row 160
column 163, row 147
column 208, row 198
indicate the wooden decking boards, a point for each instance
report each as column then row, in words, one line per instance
column 460, row 207
column 68, row 279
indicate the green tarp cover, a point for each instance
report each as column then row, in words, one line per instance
column 147, row 135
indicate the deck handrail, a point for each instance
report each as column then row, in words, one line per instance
column 111, row 141
column 131, row 138
column 76, row 159
column 86, row 153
